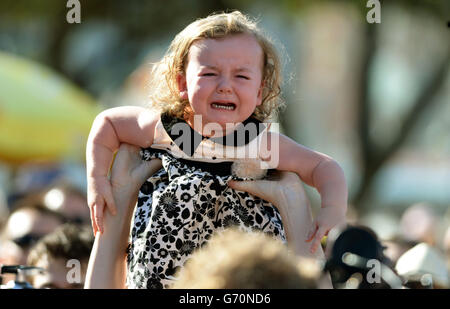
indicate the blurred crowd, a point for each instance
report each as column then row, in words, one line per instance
column 45, row 228
column 45, row 223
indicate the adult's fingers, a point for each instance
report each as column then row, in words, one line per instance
column 93, row 223
column 98, row 216
column 318, row 238
column 312, row 231
column 127, row 158
column 110, row 201
column 148, row 169
column 261, row 188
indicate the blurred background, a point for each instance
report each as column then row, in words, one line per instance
column 373, row 96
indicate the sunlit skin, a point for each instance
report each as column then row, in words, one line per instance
column 225, row 71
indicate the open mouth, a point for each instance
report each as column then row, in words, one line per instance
column 225, row 106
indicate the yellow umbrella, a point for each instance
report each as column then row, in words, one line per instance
column 43, row 116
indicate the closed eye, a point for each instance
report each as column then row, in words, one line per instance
column 209, row 74
column 243, row 76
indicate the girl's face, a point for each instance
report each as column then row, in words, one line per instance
column 223, row 79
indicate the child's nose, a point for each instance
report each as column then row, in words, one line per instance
column 224, row 86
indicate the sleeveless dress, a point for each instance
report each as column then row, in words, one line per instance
column 187, row 200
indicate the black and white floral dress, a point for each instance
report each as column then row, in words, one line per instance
column 187, row 200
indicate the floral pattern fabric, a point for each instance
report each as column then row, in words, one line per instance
column 179, row 208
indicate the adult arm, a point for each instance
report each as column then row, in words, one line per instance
column 107, row 263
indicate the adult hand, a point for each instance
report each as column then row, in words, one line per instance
column 129, row 172
column 288, row 195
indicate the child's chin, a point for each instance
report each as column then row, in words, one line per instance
column 222, row 120
column 227, row 117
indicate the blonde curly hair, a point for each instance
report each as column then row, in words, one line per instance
column 163, row 81
column 233, row 259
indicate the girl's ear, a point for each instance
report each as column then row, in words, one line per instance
column 182, row 86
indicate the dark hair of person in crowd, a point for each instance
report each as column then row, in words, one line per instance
column 352, row 256
column 67, row 242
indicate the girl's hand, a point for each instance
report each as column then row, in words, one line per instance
column 327, row 218
column 99, row 195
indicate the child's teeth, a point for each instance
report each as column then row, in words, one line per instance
column 231, row 107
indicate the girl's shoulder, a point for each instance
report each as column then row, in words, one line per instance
column 145, row 115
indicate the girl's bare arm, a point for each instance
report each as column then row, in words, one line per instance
column 127, row 124
column 323, row 173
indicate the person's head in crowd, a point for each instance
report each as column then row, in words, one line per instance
column 28, row 222
column 446, row 245
column 423, row 266
column 4, row 211
column 64, row 254
column 5, row 246
column 68, row 201
column 356, row 258
column 396, row 247
column 236, row 260
column 10, row 254
column 383, row 222
column 419, row 223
